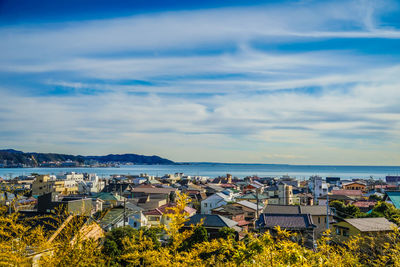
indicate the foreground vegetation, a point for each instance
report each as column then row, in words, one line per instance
column 22, row 243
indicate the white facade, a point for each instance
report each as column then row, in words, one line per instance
column 137, row 220
column 317, row 186
column 214, row 201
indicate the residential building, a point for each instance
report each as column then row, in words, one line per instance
column 53, row 203
column 301, row 224
column 318, row 215
column 214, row 201
column 213, row 223
column 317, row 186
column 159, row 216
column 354, row 186
column 250, row 209
column 232, row 212
column 361, row 226
column 44, row 184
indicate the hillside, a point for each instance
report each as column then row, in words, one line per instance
column 14, row 157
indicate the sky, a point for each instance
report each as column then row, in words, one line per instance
column 296, row 82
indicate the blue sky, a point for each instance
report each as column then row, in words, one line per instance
column 300, row 82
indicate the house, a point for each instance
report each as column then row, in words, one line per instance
column 147, row 203
column 280, row 194
column 214, row 201
column 159, row 216
column 318, row 215
column 121, row 188
column 153, row 191
column 213, row 223
column 252, row 197
column 393, row 197
column 317, row 186
column 301, row 224
column 361, row 226
column 354, row 186
column 250, row 209
column 51, row 203
column 346, row 199
column 364, row 206
column 44, row 184
column 356, row 194
column 109, row 200
column 119, row 216
column 232, row 212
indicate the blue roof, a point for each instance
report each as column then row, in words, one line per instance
column 394, row 197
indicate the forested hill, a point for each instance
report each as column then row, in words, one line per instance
column 12, row 156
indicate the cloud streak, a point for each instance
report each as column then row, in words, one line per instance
column 207, row 85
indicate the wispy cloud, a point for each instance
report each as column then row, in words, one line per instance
column 213, row 84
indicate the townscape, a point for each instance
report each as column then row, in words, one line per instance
column 312, row 209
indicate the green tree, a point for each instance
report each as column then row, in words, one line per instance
column 199, row 235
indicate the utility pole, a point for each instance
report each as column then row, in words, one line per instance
column 327, row 210
column 124, row 211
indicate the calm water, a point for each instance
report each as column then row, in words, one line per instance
column 214, row 170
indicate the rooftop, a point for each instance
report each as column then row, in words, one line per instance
column 211, row 220
column 286, row 221
column 371, row 224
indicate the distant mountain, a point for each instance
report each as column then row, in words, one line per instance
column 14, row 157
column 131, row 158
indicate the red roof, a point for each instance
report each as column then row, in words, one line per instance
column 243, row 222
column 385, row 186
column 165, row 209
column 345, row 192
column 364, row 204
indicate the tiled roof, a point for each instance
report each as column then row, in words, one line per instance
column 229, row 209
column 285, row 221
column 371, row 224
column 166, row 209
column 281, row 209
column 155, row 190
column 364, row 204
column 250, row 205
column 292, row 209
column 211, row 220
column 347, row 192
column 313, row 210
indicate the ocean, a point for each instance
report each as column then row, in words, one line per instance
column 211, row 170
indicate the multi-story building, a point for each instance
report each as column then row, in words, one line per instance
column 317, row 186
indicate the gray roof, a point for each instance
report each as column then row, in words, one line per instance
column 292, row 209
column 314, row 210
column 250, row 205
column 211, row 220
column 282, row 209
column 371, row 224
column 286, row 221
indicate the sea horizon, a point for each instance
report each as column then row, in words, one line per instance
column 212, row 170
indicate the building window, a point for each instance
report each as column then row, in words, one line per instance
column 345, row 232
column 319, row 220
column 205, row 205
column 135, row 224
column 337, row 231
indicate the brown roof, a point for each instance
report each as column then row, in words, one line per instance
column 371, row 224
column 155, row 190
column 347, row 192
column 364, row 204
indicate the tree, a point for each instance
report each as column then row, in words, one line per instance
column 199, row 235
column 226, row 232
column 345, row 211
